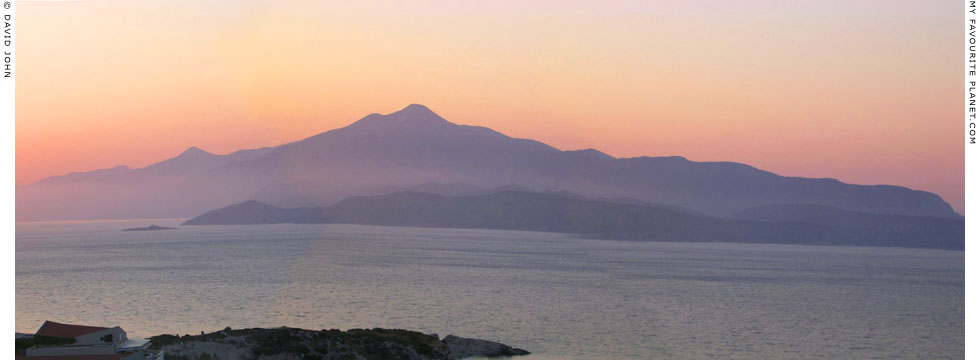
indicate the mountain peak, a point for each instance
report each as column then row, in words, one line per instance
column 416, row 108
column 411, row 116
column 194, row 150
column 415, row 113
column 591, row 153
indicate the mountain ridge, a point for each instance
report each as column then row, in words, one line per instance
column 527, row 211
column 416, row 146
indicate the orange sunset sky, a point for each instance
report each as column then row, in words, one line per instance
column 867, row 92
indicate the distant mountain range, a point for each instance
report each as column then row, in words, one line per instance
column 415, row 149
column 519, row 210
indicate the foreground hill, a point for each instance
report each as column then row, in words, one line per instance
column 416, row 146
column 291, row 343
column 517, row 210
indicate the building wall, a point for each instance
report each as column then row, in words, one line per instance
column 88, row 344
column 71, row 350
column 96, row 337
column 137, row 355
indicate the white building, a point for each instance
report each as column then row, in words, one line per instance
column 57, row 341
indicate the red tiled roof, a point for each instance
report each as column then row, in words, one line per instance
column 75, row 357
column 53, row 329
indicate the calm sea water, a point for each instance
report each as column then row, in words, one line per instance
column 555, row 295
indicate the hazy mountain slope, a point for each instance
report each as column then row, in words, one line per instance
column 901, row 226
column 401, row 150
column 515, row 210
column 170, row 188
column 254, row 212
column 415, row 146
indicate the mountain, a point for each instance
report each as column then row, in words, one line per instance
column 899, row 226
column 254, row 212
column 171, row 188
column 517, row 210
column 412, row 147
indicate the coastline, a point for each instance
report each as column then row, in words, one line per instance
column 295, row 343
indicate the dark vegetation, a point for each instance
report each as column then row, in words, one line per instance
column 22, row 343
column 323, row 344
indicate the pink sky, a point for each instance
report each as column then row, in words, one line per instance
column 866, row 92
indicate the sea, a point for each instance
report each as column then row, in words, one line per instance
column 559, row 296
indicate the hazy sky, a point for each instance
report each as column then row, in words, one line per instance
column 867, row 92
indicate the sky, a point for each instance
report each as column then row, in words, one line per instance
column 866, row 92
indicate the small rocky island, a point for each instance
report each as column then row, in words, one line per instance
column 150, row 228
column 292, row 343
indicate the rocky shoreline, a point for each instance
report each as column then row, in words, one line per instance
column 291, row 343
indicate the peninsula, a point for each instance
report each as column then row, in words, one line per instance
column 150, row 228
column 293, row 343
column 285, row 343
